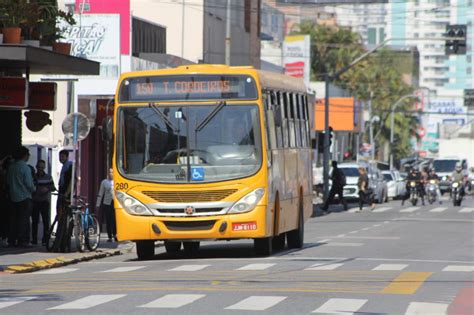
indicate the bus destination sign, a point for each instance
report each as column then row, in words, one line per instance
column 195, row 87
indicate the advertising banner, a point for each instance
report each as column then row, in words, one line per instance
column 296, row 56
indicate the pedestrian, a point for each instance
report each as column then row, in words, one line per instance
column 41, row 201
column 105, row 202
column 64, row 185
column 366, row 194
column 338, row 182
column 20, row 186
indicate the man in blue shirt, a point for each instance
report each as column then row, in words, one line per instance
column 21, row 186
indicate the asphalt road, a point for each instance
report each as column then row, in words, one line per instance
column 394, row 260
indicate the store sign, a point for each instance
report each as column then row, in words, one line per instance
column 296, row 52
column 42, row 96
column 13, row 93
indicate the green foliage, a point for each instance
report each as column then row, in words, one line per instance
column 378, row 77
column 13, row 13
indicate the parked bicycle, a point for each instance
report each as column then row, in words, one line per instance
column 77, row 221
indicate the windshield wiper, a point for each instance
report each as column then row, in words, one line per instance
column 210, row 116
column 163, row 116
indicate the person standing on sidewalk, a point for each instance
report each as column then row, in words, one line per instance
column 41, row 201
column 64, row 185
column 366, row 195
column 21, row 186
column 338, row 182
column 105, row 202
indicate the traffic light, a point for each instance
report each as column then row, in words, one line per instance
column 456, row 46
column 330, row 135
column 320, row 142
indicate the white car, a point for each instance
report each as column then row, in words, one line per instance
column 351, row 171
column 395, row 184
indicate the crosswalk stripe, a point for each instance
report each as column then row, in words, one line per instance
column 439, row 209
column 189, row 268
column 410, row 209
column 256, row 267
column 9, row 301
column 340, row 306
column 55, row 271
column 256, row 303
column 459, row 268
column 426, row 308
column 352, row 210
column 390, row 267
column 173, row 300
column 87, row 302
column 381, row 209
column 466, row 210
column 324, row 266
column 124, row 269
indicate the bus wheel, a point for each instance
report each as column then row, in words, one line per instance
column 191, row 248
column 278, row 242
column 263, row 246
column 295, row 238
column 172, row 247
column 145, row 250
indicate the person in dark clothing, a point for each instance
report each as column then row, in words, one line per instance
column 366, row 194
column 41, row 201
column 337, row 178
column 414, row 175
column 64, row 185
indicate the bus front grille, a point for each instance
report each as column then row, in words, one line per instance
column 197, row 210
column 190, row 196
column 189, row 225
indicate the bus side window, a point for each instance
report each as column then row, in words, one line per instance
column 308, row 119
column 276, row 106
column 291, row 111
column 298, row 124
column 270, row 122
column 302, row 126
column 284, row 125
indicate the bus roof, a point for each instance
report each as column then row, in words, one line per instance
column 268, row 80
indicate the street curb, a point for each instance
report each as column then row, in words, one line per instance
column 64, row 261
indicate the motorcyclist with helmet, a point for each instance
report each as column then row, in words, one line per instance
column 414, row 175
column 460, row 177
column 433, row 176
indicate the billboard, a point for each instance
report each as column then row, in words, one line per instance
column 296, row 56
column 341, row 114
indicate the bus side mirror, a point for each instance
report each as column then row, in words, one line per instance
column 107, row 129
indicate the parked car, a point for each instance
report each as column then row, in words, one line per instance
column 444, row 167
column 395, row 184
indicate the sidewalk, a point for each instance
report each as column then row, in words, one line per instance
column 21, row 260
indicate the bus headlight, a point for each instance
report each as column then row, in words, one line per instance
column 132, row 205
column 248, row 202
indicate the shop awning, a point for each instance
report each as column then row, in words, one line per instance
column 43, row 61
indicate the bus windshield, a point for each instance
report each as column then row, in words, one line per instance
column 188, row 143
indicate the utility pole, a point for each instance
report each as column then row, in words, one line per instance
column 371, row 129
column 227, row 34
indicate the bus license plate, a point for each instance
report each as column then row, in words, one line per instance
column 244, row 226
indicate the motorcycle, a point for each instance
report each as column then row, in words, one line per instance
column 456, row 193
column 413, row 190
column 431, row 191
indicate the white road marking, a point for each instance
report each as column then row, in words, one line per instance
column 321, row 266
column 55, row 271
column 256, row 267
column 390, row 267
column 9, row 301
column 459, row 268
column 124, row 269
column 376, row 225
column 87, row 302
column 382, row 209
column 341, row 235
column 426, row 308
column 410, row 209
column 173, row 301
column 344, row 244
column 385, row 222
column 256, row 303
column 353, row 232
column 365, row 229
column 340, row 306
column 439, row 209
column 189, row 268
column 374, row 237
column 466, row 210
column 353, row 210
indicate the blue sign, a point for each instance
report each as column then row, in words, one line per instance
column 197, row 173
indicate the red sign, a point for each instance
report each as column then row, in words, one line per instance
column 102, row 108
column 13, row 93
column 244, row 226
column 42, row 96
column 295, row 69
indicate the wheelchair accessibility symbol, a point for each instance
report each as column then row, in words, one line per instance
column 197, row 173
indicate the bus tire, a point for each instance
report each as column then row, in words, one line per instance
column 172, row 247
column 263, row 246
column 145, row 249
column 278, row 242
column 295, row 238
column 191, row 248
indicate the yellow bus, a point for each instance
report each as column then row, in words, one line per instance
column 211, row 152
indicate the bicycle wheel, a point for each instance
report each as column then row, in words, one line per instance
column 51, row 236
column 92, row 234
column 79, row 237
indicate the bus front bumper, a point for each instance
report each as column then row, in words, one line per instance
column 253, row 224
